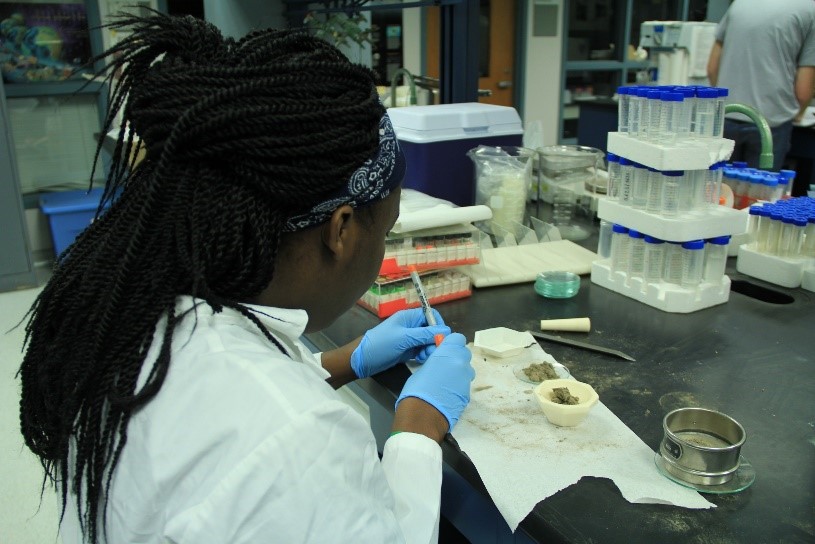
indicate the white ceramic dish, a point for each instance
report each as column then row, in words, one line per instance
column 502, row 342
column 566, row 415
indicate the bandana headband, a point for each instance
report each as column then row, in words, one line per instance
column 372, row 181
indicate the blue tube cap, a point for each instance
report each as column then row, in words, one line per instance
column 674, row 173
column 652, row 240
column 694, row 244
column 613, row 158
column 707, row 93
column 635, row 234
column 719, row 240
column 619, row 229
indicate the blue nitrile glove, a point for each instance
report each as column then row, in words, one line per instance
column 403, row 336
column 444, row 379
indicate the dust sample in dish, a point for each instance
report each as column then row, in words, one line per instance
column 561, row 395
column 537, row 372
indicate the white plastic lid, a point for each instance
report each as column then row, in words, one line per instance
column 442, row 122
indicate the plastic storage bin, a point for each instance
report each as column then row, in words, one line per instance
column 69, row 213
column 436, row 139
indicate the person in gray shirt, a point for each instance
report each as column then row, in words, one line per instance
column 765, row 55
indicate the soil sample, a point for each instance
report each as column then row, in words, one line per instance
column 561, row 395
column 537, row 372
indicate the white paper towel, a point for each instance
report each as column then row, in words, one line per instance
column 522, row 458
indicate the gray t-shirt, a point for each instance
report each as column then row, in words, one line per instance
column 764, row 43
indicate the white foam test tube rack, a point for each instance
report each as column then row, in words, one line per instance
column 575, row 324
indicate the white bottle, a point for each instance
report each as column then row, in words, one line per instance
column 715, row 259
column 693, row 260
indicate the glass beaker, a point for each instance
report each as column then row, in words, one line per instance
column 569, row 177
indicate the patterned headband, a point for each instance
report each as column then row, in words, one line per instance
column 372, row 181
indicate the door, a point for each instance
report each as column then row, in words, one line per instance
column 496, row 49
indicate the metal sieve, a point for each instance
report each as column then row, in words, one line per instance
column 701, row 446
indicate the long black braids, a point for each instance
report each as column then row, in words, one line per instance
column 239, row 136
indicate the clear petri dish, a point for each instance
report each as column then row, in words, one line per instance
column 743, row 478
column 561, row 371
column 557, row 284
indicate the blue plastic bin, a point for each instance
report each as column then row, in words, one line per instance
column 69, row 213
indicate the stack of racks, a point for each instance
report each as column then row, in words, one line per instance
column 668, row 233
column 434, row 253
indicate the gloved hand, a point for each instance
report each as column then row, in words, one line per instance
column 444, row 379
column 403, row 336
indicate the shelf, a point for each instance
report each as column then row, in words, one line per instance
column 350, row 6
column 689, row 155
column 56, row 88
column 719, row 221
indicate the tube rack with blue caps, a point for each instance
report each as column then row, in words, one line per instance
column 751, row 185
column 781, row 246
column 673, row 276
column 664, row 236
column 671, row 114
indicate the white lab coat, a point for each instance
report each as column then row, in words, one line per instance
column 243, row 444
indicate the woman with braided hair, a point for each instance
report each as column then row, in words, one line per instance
column 164, row 385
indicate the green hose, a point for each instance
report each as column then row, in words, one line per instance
column 766, row 159
column 412, row 99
